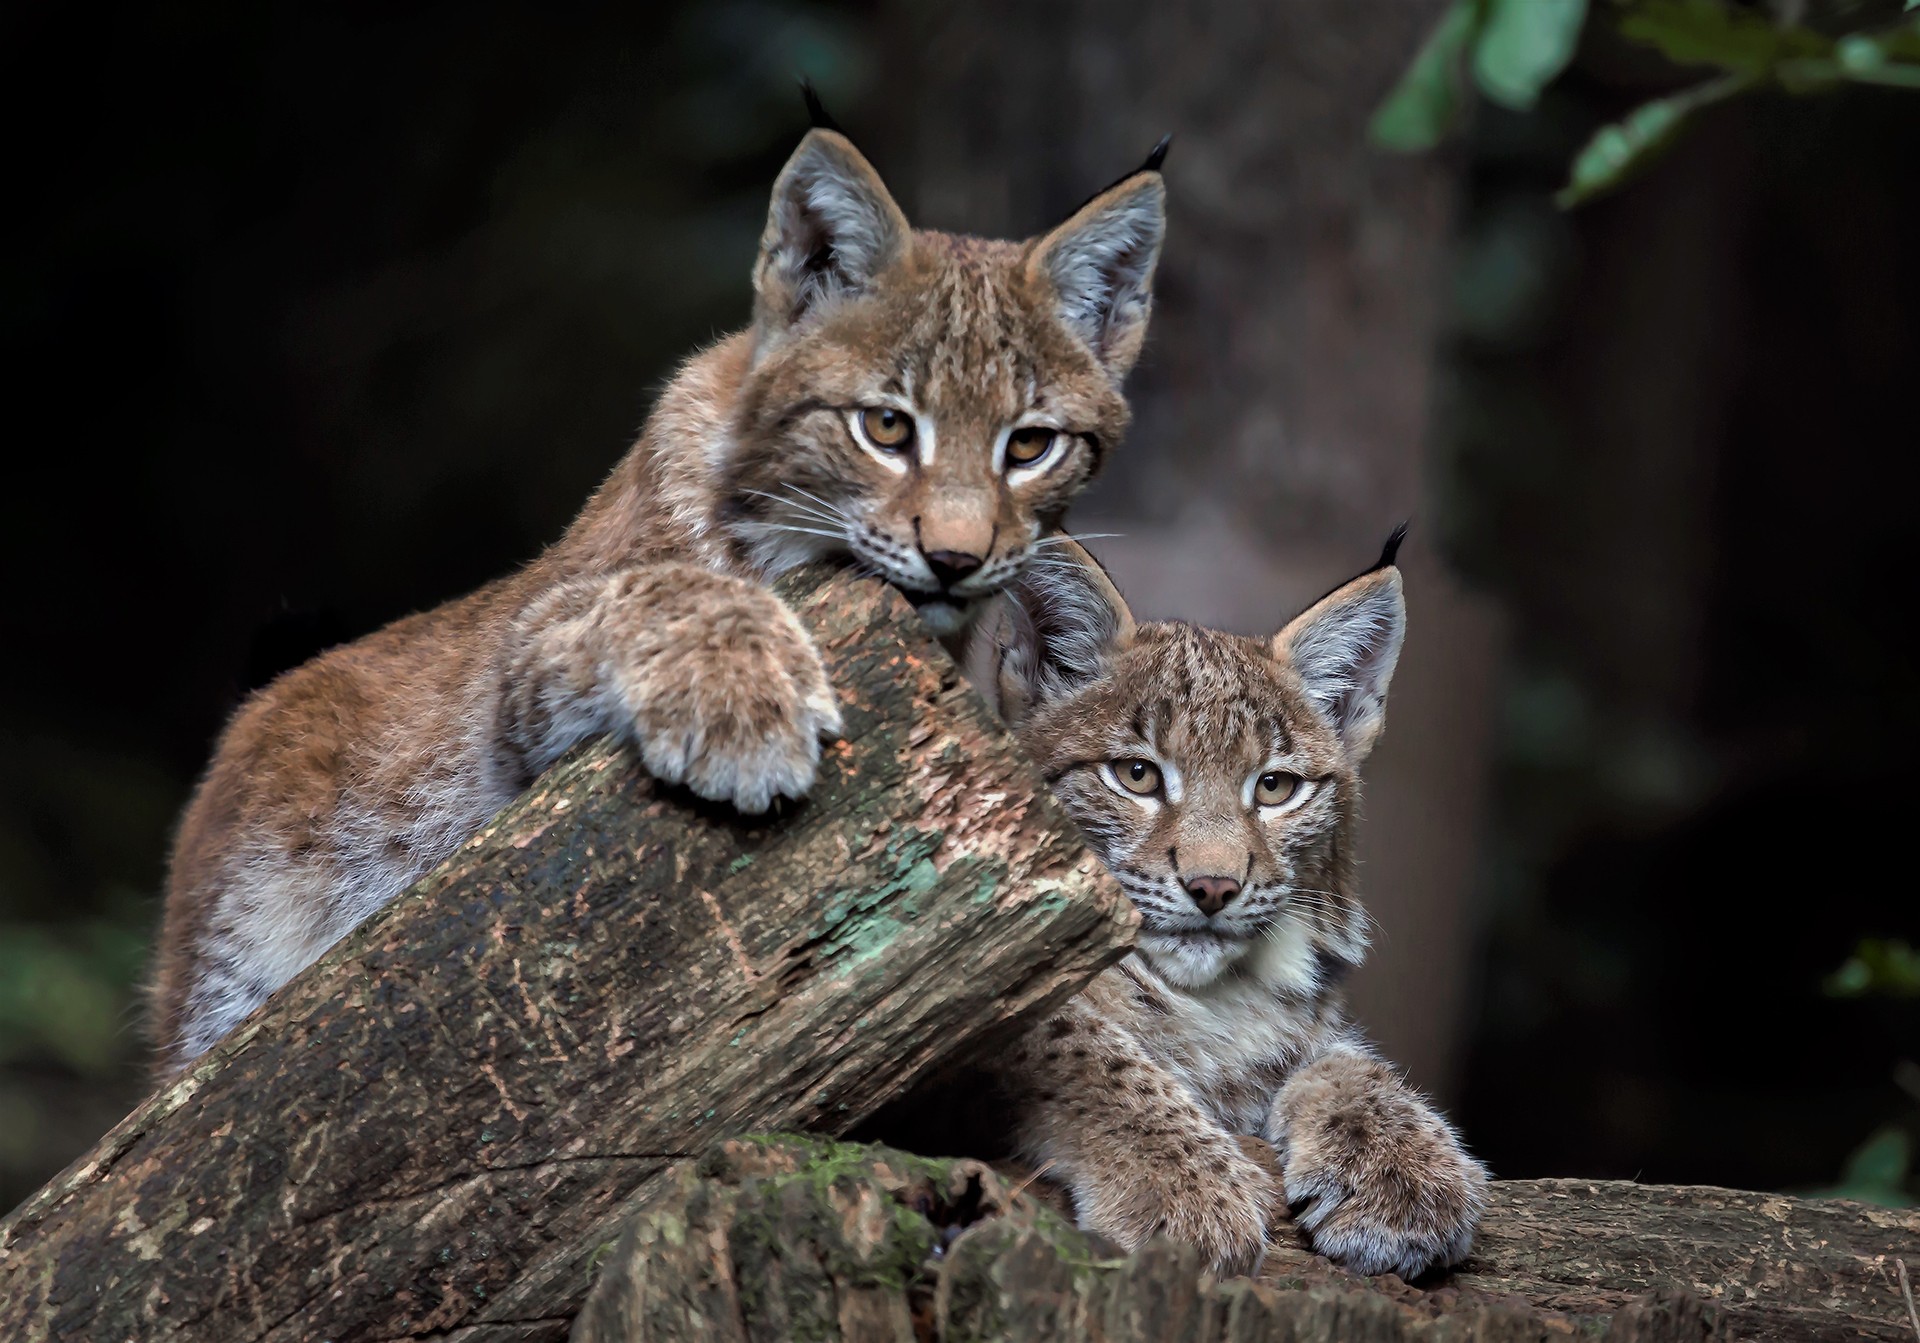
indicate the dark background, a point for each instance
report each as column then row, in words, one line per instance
column 315, row 318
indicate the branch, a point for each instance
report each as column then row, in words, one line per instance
column 433, row 1127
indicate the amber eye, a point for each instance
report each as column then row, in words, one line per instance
column 1138, row 776
column 1273, row 788
column 1029, row 445
column 886, row 428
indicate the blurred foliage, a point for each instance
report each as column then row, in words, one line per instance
column 1635, row 403
column 63, row 992
column 1514, row 48
column 1877, row 1171
column 1877, row 966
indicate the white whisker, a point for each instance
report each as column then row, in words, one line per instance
column 798, row 531
column 804, row 510
column 1061, row 539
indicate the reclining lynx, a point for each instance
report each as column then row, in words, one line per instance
column 923, row 404
column 1217, row 777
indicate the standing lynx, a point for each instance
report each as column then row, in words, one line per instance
column 923, row 404
column 1217, row 776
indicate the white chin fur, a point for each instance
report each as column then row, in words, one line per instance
column 1189, row 962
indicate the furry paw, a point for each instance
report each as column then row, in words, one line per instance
column 1216, row 1200
column 734, row 700
column 1374, row 1175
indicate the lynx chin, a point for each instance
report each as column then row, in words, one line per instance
column 923, row 405
column 1217, row 776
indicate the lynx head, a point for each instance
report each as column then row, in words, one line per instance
column 923, row 402
column 1216, row 775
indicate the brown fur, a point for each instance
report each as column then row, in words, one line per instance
column 1228, row 1020
column 342, row 782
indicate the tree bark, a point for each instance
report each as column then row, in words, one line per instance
column 428, row 1132
column 787, row 1238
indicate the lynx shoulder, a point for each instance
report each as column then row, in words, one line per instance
column 919, row 403
column 1218, row 777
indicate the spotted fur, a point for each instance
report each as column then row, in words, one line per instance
column 342, row 782
column 1228, row 1018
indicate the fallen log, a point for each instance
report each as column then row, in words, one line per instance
column 790, row 1238
column 427, row 1133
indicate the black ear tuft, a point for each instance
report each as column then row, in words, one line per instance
column 817, row 114
column 1389, row 556
column 1390, row 553
column 1154, row 159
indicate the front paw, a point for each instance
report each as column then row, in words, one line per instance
column 1384, row 1186
column 736, row 707
column 1216, row 1200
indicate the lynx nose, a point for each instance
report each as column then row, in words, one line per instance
column 950, row 566
column 1211, row 893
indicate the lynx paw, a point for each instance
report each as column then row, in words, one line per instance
column 1217, row 1200
column 737, row 707
column 1377, row 1179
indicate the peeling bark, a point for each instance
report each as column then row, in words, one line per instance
column 790, row 1238
column 428, row 1132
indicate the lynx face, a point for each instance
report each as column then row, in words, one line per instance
column 924, row 403
column 1216, row 775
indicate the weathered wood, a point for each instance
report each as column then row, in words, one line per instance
column 790, row 1238
column 429, row 1131
column 1780, row 1267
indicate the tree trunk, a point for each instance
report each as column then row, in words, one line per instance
column 431, row 1129
column 786, row 1239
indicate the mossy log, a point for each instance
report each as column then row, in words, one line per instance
column 427, row 1133
column 786, row 1238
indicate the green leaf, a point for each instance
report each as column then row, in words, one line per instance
column 1425, row 105
column 1889, row 967
column 1522, row 45
column 1617, row 151
column 1892, row 76
column 1705, row 32
column 1876, row 1171
column 1900, row 43
column 1875, row 58
column 1858, row 53
column 1880, row 1162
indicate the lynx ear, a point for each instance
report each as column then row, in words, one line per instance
column 1049, row 634
column 1345, row 646
column 1100, row 265
column 832, row 228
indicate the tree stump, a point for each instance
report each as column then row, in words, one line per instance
column 426, row 1133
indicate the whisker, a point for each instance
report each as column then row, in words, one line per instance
column 802, row 509
column 837, row 510
column 1061, row 538
column 798, row 531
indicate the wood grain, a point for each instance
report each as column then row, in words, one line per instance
column 793, row 1238
column 432, row 1129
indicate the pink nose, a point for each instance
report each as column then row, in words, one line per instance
column 1211, row 893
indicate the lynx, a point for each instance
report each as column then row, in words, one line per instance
column 1217, row 777
column 921, row 404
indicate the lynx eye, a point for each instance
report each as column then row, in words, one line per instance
column 1027, row 446
column 885, row 428
column 1137, row 776
column 1275, row 787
